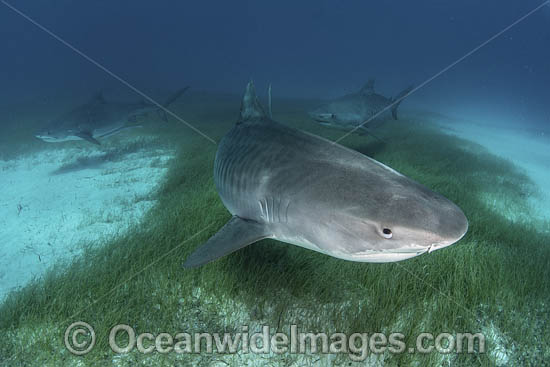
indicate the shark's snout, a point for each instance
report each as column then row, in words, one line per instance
column 453, row 229
column 45, row 135
column 50, row 136
column 321, row 117
column 42, row 135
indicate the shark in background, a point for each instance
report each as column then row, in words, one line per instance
column 353, row 109
column 99, row 118
column 298, row 188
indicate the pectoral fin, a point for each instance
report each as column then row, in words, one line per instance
column 234, row 235
column 88, row 137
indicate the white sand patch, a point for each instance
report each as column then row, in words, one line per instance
column 498, row 352
column 528, row 151
column 56, row 201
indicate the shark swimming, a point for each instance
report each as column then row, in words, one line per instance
column 353, row 109
column 98, row 119
column 298, row 188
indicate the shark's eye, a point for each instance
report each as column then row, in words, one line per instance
column 387, row 233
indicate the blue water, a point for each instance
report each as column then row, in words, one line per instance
column 306, row 49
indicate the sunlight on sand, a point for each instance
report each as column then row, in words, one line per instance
column 59, row 200
column 530, row 152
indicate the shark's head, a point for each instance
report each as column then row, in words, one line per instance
column 415, row 220
column 386, row 221
column 53, row 135
column 335, row 113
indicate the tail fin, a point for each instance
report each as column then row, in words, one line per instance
column 399, row 98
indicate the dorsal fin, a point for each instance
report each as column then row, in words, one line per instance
column 368, row 88
column 250, row 106
column 98, row 97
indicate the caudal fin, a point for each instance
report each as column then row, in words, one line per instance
column 398, row 99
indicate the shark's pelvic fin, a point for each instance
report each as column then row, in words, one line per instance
column 399, row 98
column 236, row 234
column 250, row 106
column 368, row 88
column 88, row 137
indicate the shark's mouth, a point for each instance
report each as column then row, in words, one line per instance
column 323, row 118
column 381, row 256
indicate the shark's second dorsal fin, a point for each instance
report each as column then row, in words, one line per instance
column 368, row 88
column 250, row 106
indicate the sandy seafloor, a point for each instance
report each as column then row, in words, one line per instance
column 526, row 148
column 67, row 196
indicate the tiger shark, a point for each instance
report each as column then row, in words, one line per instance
column 353, row 109
column 298, row 188
column 98, row 119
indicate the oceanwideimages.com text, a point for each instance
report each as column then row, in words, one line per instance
column 80, row 339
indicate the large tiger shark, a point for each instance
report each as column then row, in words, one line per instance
column 98, row 119
column 353, row 109
column 301, row 189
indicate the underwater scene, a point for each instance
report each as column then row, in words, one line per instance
column 249, row 183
